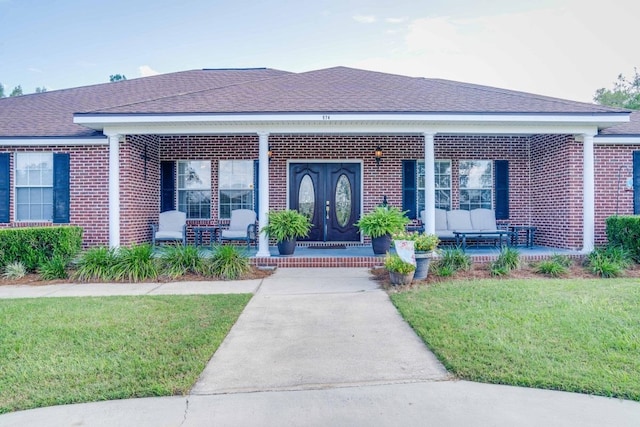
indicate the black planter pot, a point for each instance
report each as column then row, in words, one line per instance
column 381, row 244
column 287, row 247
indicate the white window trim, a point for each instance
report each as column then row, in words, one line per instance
column 16, row 186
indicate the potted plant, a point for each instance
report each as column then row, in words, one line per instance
column 400, row 271
column 380, row 224
column 424, row 245
column 285, row 227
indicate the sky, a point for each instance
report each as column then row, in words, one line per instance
column 562, row 48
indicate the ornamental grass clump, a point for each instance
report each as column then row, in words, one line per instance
column 14, row 270
column 228, row 263
column 450, row 262
column 508, row 260
column 135, row 264
column 96, row 264
column 608, row 261
column 178, row 260
column 556, row 266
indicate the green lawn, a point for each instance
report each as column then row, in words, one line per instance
column 574, row 335
column 67, row 350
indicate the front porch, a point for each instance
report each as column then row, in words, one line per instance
column 362, row 256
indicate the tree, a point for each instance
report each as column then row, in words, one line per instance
column 117, row 77
column 625, row 93
column 41, row 89
column 17, row 91
column 2, row 95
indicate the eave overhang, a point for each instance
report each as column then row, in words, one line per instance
column 368, row 123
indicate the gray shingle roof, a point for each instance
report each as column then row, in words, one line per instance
column 51, row 113
column 331, row 90
column 344, row 89
column 632, row 128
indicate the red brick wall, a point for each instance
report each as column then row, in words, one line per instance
column 611, row 162
column 89, row 177
column 139, row 194
column 557, row 193
column 548, row 193
column 377, row 181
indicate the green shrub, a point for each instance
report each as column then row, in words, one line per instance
column 54, row 268
column 14, row 270
column 228, row 262
column 508, row 260
column 451, row 261
column 96, row 264
column 34, row 245
column 135, row 263
column 607, row 261
column 178, row 260
column 624, row 231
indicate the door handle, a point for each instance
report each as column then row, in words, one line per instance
column 327, row 208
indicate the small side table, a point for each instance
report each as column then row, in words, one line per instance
column 200, row 230
column 529, row 233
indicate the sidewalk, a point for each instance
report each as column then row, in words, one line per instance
column 318, row 347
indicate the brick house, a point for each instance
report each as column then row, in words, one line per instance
column 110, row 157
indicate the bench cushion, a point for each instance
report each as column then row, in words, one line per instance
column 459, row 220
column 483, row 219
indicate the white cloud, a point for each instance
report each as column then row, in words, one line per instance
column 396, row 20
column 146, row 71
column 34, row 69
column 365, row 19
column 567, row 51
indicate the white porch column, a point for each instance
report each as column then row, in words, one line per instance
column 429, row 183
column 114, row 190
column 588, row 208
column 263, row 190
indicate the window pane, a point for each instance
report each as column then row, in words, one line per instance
column 235, row 186
column 442, row 184
column 475, row 174
column 194, row 175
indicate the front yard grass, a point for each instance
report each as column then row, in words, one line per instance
column 575, row 335
column 67, row 350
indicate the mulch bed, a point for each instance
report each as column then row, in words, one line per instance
column 481, row 271
column 34, row 279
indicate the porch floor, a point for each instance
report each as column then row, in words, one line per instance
column 363, row 256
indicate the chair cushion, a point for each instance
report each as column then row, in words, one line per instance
column 241, row 218
column 172, row 221
column 483, row 219
column 169, row 235
column 459, row 220
column 234, row 234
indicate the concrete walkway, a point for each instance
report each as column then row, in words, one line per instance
column 318, row 347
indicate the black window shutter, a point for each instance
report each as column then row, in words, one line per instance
column 256, row 187
column 636, row 182
column 5, row 187
column 502, row 188
column 167, row 186
column 409, row 194
column 61, row 193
